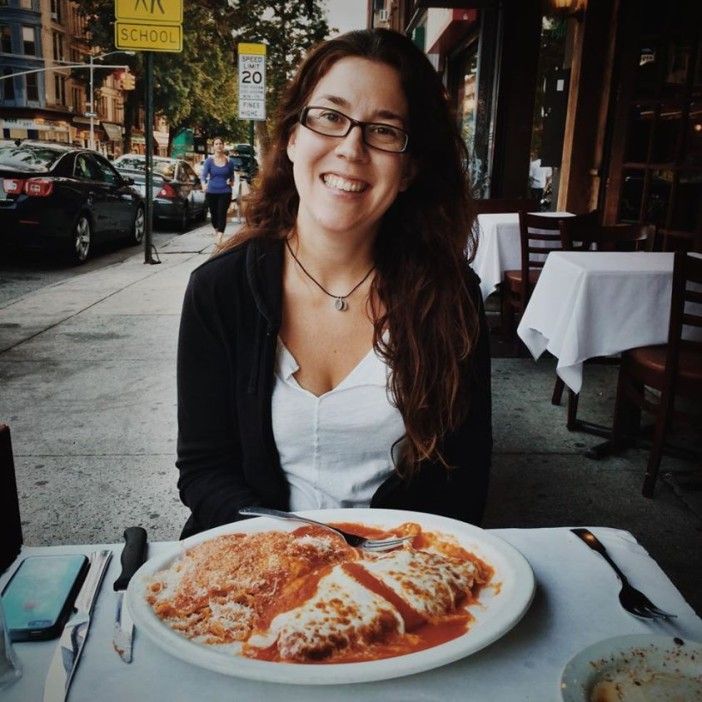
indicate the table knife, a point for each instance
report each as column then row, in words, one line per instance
column 67, row 654
column 133, row 555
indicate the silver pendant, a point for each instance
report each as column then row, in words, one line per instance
column 340, row 304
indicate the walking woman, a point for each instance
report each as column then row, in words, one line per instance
column 336, row 354
column 217, row 180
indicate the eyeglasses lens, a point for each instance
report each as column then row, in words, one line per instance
column 336, row 124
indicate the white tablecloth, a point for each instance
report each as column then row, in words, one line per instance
column 499, row 247
column 591, row 303
column 575, row 605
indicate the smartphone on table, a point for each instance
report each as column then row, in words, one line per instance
column 39, row 597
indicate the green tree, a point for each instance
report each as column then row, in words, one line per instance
column 198, row 88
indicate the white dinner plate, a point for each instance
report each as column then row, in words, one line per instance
column 639, row 667
column 498, row 610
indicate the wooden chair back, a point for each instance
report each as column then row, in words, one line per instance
column 685, row 311
column 497, row 205
column 674, row 240
column 539, row 235
column 10, row 524
column 580, row 235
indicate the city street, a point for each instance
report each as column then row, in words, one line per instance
column 22, row 272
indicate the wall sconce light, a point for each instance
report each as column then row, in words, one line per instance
column 565, row 8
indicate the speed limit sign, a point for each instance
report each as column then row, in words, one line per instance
column 252, row 81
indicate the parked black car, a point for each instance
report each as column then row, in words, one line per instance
column 65, row 198
column 245, row 162
column 177, row 191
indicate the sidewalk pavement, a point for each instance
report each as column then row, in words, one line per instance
column 87, row 385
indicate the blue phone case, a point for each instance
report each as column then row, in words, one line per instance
column 39, row 597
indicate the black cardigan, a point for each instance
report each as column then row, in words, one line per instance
column 227, row 455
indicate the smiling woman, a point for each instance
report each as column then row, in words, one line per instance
column 335, row 353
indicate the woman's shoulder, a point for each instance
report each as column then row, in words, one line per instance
column 231, row 266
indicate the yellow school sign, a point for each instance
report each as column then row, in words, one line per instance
column 149, row 25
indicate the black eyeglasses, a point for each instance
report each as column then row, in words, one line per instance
column 328, row 122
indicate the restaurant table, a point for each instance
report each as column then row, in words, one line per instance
column 597, row 303
column 575, row 605
column 499, row 247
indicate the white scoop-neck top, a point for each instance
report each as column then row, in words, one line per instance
column 335, row 449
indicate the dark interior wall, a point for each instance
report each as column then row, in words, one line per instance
column 517, row 55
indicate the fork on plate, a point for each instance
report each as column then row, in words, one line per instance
column 351, row 539
column 633, row 600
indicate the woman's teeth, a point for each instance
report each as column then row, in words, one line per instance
column 349, row 186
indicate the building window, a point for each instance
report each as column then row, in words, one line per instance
column 56, row 10
column 58, row 46
column 5, row 39
column 29, row 41
column 60, row 88
column 32, row 87
column 77, row 100
column 8, row 85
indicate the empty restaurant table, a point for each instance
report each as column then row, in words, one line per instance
column 589, row 303
column 575, row 606
column 499, row 248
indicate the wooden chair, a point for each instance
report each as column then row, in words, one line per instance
column 672, row 369
column 674, row 240
column 578, row 234
column 10, row 525
column 497, row 205
column 538, row 235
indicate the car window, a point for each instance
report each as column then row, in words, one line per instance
column 85, row 168
column 131, row 162
column 105, row 172
column 29, row 158
column 165, row 168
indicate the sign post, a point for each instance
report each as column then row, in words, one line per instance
column 252, row 84
column 149, row 26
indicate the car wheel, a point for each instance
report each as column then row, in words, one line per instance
column 81, row 239
column 138, row 227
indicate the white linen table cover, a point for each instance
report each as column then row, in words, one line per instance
column 499, row 247
column 597, row 303
column 575, row 606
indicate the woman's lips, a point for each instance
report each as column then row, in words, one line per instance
column 342, row 184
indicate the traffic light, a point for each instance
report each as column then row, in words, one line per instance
column 128, row 81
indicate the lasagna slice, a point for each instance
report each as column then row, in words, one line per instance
column 340, row 615
column 431, row 584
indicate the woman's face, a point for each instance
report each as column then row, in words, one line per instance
column 344, row 185
column 218, row 145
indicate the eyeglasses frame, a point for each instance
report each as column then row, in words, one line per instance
column 352, row 123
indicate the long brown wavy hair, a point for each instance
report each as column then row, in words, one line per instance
column 422, row 247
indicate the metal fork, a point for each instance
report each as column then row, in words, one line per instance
column 633, row 600
column 351, row 539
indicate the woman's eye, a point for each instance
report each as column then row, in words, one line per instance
column 383, row 130
column 330, row 116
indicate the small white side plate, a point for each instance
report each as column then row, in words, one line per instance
column 633, row 669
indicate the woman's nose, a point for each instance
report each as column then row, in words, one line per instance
column 352, row 145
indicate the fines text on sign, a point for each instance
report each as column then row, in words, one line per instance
column 252, row 81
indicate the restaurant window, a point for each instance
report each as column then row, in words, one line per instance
column 29, row 41
column 463, row 84
column 5, row 39
column 661, row 155
column 32, row 83
column 8, row 85
column 550, row 107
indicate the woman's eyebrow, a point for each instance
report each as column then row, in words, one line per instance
column 342, row 102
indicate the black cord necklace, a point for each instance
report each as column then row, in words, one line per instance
column 340, row 301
